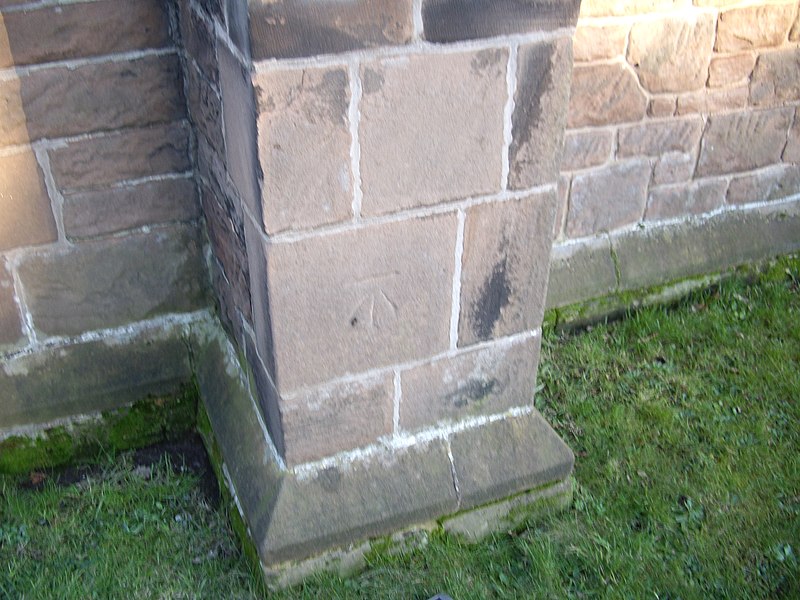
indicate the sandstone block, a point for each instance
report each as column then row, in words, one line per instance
column 774, row 183
column 584, row 149
column 226, row 233
column 102, row 212
column 674, row 167
column 791, row 154
column 743, row 141
column 416, row 147
column 730, row 70
column 604, row 94
column 361, row 299
column 603, row 8
column 662, row 106
column 754, row 26
column 10, row 321
column 579, row 272
column 120, row 156
column 259, row 294
column 656, row 138
column 24, row 203
column 81, row 30
column 776, row 78
column 293, row 28
column 564, row 183
column 359, row 412
column 672, row 54
column 114, row 282
column 504, row 267
column 794, row 34
column 453, row 20
column 481, row 382
column 608, row 198
column 304, row 147
column 199, row 41
column 205, row 109
column 599, row 42
column 711, row 101
column 682, row 200
column 537, row 125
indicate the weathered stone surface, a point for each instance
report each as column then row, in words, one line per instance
column 776, row 78
column 91, row 214
column 481, row 382
column 199, row 41
column 562, row 193
column 671, row 54
column 361, row 299
column 791, row 154
column 730, row 70
column 120, row 156
column 774, row 183
column 114, row 282
column 266, row 394
column 513, row 455
column 293, row 28
column 205, row 109
column 580, row 271
column 358, row 412
column 608, row 198
column 81, row 30
column 82, row 378
column 685, row 199
column 604, row 94
column 743, row 141
column 603, row 8
column 674, row 167
column 504, row 267
column 304, row 147
column 453, row 20
column 794, row 34
column 665, row 253
column 259, row 294
column 97, row 97
column 10, row 321
column 27, row 218
column 662, row 106
column 656, row 138
column 239, row 26
column 710, row 101
column 416, row 148
column 754, row 26
column 537, row 124
column 599, row 42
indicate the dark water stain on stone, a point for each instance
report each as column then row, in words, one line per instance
column 494, row 296
column 329, row 479
column 475, row 390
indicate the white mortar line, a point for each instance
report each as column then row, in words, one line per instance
column 56, row 199
column 354, row 118
column 416, row 14
column 398, row 397
column 22, row 303
column 232, row 489
column 151, row 179
column 453, row 472
column 508, row 113
column 455, row 307
column 20, row 71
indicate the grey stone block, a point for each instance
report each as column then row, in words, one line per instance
column 685, row 199
column 580, row 271
column 24, row 203
column 655, row 139
column 586, row 149
column 776, row 78
column 199, row 40
column 205, row 109
column 775, row 183
column 603, row 94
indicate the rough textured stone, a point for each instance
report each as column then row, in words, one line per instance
column 27, row 216
column 81, row 30
column 662, row 106
column 743, row 141
column 120, row 156
column 239, row 26
column 259, row 294
column 205, row 109
column 607, row 198
column 775, row 183
column 114, row 282
column 537, row 124
column 90, row 214
column 91, row 376
column 599, row 42
column 712, row 101
column 754, row 26
column 654, row 139
column 97, row 97
column 730, row 70
column 362, row 299
column 791, row 154
column 292, row 28
column 506, row 457
column 776, row 78
column 794, row 34
column 481, row 382
column 10, row 321
column 358, row 412
column 579, row 272
column 673, row 167
column 603, row 8
column 504, row 267
column 564, row 183
column 453, row 20
column 604, row 94
column 671, row 54
column 685, row 199
column 199, row 41
column 416, row 147
column 304, row 147
column 267, row 395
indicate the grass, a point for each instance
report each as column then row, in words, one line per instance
column 686, row 426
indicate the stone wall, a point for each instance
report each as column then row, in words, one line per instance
column 682, row 155
column 100, row 251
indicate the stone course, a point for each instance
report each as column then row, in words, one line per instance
column 680, row 200
column 754, row 26
column 603, row 94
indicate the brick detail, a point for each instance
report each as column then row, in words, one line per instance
column 599, row 42
column 585, row 149
column 734, row 69
column 753, row 27
column 776, row 78
column 291, row 28
column 654, row 139
column 504, row 267
column 743, row 141
column 27, row 216
column 304, row 147
column 362, row 299
column 10, row 321
column 604, row 94
column 774, row 183
column 685, row 199
column 608, row 198
column 415, row 148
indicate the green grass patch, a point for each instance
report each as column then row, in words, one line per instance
column 685, row 424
